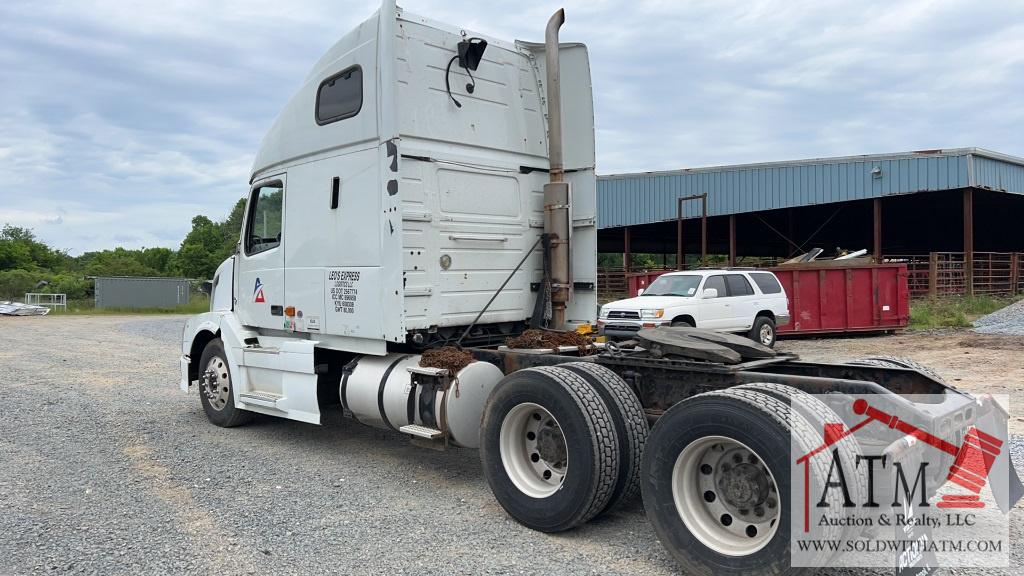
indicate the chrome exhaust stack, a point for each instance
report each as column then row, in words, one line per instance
column 557, row 197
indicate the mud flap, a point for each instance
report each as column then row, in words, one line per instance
column 1003, row 479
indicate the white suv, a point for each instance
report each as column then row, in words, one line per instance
column 751, row 302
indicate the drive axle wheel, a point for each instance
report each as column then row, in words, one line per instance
column 533, row 450
column 549, row 448
column 726, row 495
column 215, row 388
column 717, row 482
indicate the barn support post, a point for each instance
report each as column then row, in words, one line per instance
column 933, row 274
column 627, row 251
column 732, row 239
column 703, row 228
column 679, row 235
column 877, row 243
column 969, row 241
column 1014, row 272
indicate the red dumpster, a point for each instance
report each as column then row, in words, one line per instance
column 832, row 298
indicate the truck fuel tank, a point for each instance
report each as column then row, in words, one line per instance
column 391, row 391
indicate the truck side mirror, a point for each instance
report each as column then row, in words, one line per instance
column 640, row 292
column 710, row 293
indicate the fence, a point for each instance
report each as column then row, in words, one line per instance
column 945, row 273
column 934, row 274
column 611, row 284
column 51, row 301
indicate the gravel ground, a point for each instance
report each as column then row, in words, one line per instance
column 107, row 468
column 1007, row 320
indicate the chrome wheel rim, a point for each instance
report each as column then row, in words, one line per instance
column 217, row 383
column 766, row 334
column 533, row 450
column 726, row 496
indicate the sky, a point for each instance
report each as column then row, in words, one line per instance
column 120, row 120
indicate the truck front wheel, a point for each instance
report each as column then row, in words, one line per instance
column 549, row 448
column 215, row 388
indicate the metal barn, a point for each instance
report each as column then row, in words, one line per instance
column 141, row 292
column 952, row 215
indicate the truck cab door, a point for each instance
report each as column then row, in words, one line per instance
column 259, row 278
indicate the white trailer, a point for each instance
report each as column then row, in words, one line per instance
column 414, row 193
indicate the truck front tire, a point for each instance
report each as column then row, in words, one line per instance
column 216, row 391
column 549, row 449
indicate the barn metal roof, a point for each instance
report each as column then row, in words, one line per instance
column 645, row 197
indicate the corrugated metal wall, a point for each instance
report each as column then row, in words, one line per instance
column 141, row 292
column 643, row 198
column 998, row 175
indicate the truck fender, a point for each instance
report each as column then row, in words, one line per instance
column 199, row 331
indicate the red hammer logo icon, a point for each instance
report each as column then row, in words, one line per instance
column 973, row 459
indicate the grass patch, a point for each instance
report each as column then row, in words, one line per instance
column 196, row 305
column 953, row 312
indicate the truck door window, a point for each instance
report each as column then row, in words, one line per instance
column 718, row 283
column 340, row 96
column 263, row 227
column 738, row 285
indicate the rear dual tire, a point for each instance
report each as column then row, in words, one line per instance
column 629, row 420
column 549, row 448
column 707, row 515
column 900, row 362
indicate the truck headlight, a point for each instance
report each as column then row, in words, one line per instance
column 658, row 313
column 604, row 312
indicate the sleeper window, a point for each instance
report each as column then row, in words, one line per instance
column 340, row 96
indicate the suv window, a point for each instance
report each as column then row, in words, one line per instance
column 738, row 285
column 263, row 227
column 673, row 285
column 718, row 283
column 340, row 96
column 768, row 283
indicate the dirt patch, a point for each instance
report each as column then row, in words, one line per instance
column 538, row 339
column 993, row 342
column 449, row 357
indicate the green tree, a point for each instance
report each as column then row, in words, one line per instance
column 195, row 261
column 15, row 283
column 74, row 285
column 19, row 248
column 159, row 259
column 231, row 228
column 116, row 262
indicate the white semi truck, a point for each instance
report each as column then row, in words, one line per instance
column 428, row 187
